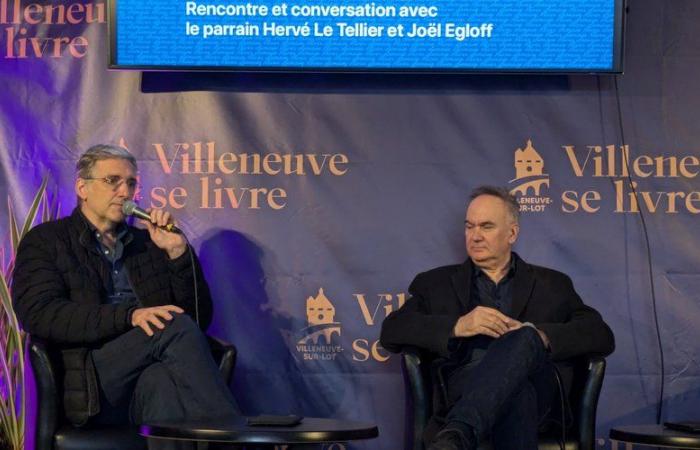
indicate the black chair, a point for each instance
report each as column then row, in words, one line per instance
column 588, row 379
column 53, row 432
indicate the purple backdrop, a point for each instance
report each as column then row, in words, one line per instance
column 353, row 185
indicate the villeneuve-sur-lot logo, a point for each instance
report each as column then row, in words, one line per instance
column 316, row 340
column 630, row 175
column 531, row 182
column 321, row 340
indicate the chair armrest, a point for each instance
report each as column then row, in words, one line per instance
column 589, row 401
column 47, row 394
column 418, row 395
column 224, row 354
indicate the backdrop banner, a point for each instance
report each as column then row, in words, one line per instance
column 313, row 205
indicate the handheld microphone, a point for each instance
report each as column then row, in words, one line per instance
column 132, row 209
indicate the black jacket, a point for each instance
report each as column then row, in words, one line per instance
column 542, row 296
column 60, row 284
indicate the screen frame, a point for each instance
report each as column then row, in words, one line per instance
column 617, row 65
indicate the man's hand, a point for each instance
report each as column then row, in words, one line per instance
column 173, row 243
column 147, row 317
column 483, row 320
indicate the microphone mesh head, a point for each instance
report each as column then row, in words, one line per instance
column 128, row 207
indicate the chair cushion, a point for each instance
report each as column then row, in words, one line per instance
column 99, row 438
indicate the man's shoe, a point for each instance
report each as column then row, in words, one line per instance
column 449, row 439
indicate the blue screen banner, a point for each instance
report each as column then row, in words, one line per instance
column 359, row 35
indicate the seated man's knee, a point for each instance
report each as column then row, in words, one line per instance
column 527, row 338
column 182, row 323
column 181, row 326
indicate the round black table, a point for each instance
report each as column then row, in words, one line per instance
column 237, row 431
column 653, row 435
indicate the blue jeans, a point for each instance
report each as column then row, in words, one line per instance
column 169, row 376
column 507, row 394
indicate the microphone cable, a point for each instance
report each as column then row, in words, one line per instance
column 190, row 250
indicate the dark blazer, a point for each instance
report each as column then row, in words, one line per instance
column 542, row 296
column 59, row 286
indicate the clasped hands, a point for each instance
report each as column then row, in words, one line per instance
column 490, row 322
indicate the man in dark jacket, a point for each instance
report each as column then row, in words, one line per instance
column 124, row 306
column 497, row 326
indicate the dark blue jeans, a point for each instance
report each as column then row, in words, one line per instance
column 507, row 395
column 168, row 376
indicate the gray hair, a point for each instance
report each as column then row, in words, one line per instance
column 503, row 194
column 98, row 153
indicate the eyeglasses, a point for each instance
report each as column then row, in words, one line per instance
column 115, row 181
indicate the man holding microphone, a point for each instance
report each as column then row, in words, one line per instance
column 125, row 306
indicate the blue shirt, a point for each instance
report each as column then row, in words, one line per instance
column 119, row 288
